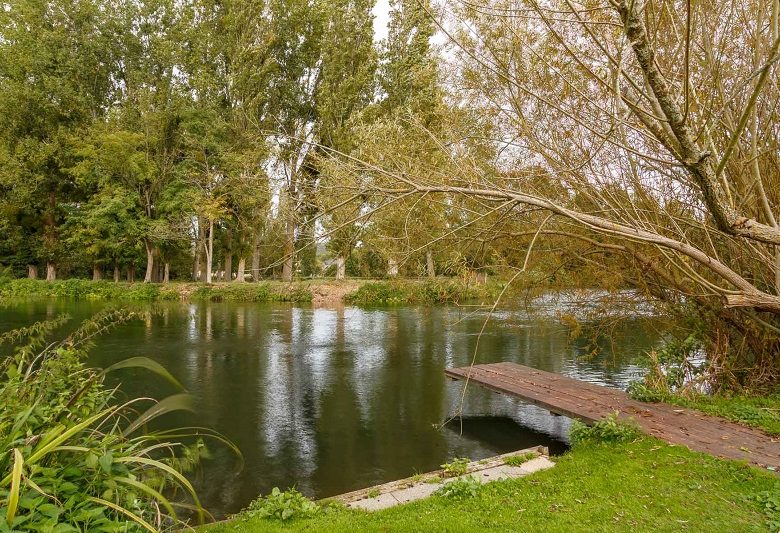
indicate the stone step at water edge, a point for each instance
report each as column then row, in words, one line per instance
column 424, row 485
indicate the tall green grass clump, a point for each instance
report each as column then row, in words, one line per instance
column 73, row 456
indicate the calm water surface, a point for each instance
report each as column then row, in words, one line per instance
column 332, row 400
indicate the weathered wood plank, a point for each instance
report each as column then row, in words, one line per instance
column 589, row 403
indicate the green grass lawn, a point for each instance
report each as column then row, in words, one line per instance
column 644, row 485
column 762, row 412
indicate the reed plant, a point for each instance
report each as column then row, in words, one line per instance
column 75, row 455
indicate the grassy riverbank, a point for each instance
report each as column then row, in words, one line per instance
column 323, row 291
column 762, row 412
column 644, row 485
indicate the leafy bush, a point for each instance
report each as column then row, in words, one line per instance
column 438, row 291
column 461, row 488
column 610, row 429
column 74, row 458
column 770, row 507
column 282, row 505
column 457, row 467
column 377, row 293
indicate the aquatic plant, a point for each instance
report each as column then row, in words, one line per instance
column 73, row 457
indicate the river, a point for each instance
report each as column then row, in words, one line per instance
column 334, row 399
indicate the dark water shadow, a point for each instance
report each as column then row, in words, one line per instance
column 504, row 433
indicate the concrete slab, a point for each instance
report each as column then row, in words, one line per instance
column 383, row 501
column 539, row 463
column 416, row 492
column 405, row 491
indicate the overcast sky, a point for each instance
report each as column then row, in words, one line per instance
column 381, row 18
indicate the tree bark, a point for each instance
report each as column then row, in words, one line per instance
column 392, row 267
column 289, row 242
column 196, row 270
column 341, row 271
column 240, row 271
column 166, row 273
column 50, row 236
column 289, row 249
column 429, row 265
column 149, row 261
column 209, row 251
column 97, row 273
column 229, row 267
column 32, row 271
column 117, row 273
column 131, row 273
column 256, row 260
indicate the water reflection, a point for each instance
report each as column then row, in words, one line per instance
column 331, row 400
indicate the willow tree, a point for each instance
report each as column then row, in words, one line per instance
column 644, row 131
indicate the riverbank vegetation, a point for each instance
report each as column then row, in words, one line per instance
column 639, row 484
column 74, row 455
column 426, row 292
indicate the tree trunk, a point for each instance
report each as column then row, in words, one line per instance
column 229, row 267
column 289, row 249
column 256, row 260
column 209, row 251
column 117, row 273
column 392, row 267
column 97, row 273
column 289, row 242
column 240, row 271
column 50, row 236
column 196, row 263
column 430, row 267
column 341, row 271
column 166, row 273
column 149, row 262
column 32, row 271
column 131, row 273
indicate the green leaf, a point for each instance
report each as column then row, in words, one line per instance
column 176, row 402
column 148, row 364
column 16, row 482
column 106, row 460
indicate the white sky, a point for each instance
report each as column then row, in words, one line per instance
column 381, row 13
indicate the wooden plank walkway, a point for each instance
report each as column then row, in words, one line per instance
column 588, row 402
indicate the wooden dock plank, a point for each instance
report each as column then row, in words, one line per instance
column 589, row 403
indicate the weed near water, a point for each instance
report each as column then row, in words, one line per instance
column 609, row 430
column 518, row 460
column 463, row 487
column 282, row 505
column 456, row 467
